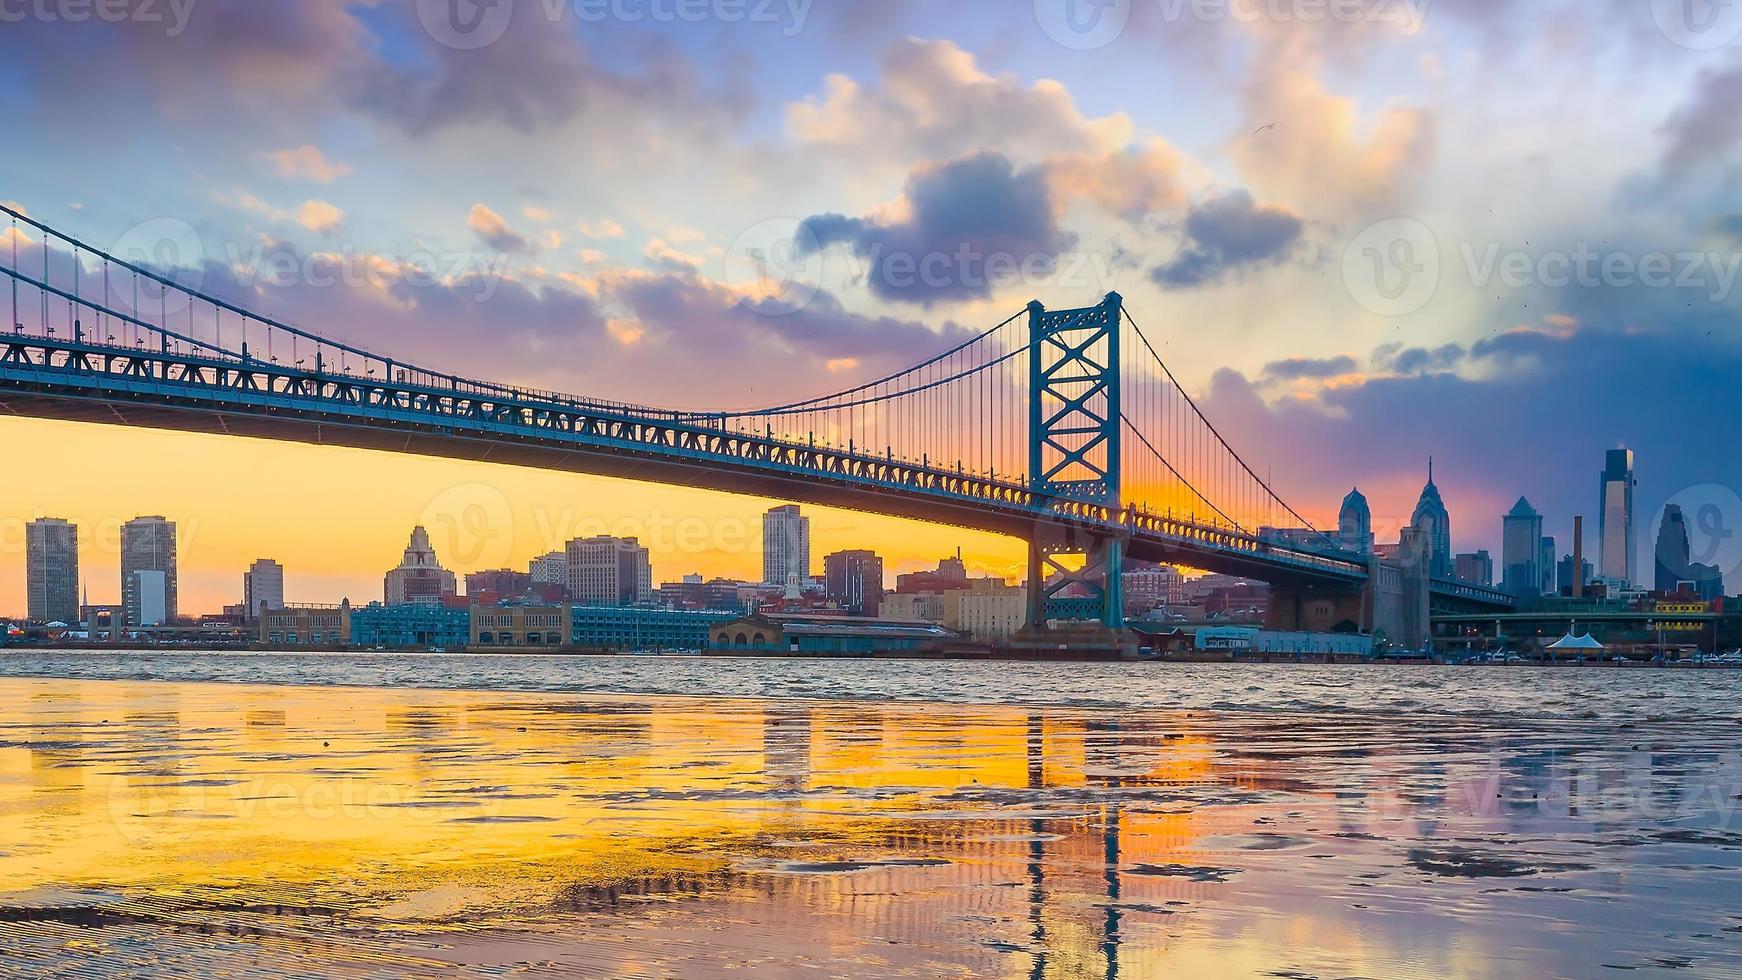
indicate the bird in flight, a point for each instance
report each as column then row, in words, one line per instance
column 1269, row 125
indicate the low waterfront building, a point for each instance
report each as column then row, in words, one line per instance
column 825, row 636
column 410, row 626
column 520, row 627
column 324, row 627
column 638, row 628
column 990, row 610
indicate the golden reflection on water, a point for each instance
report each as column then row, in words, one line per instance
column 234, row 829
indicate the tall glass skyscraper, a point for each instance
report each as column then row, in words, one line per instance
column 786, row 547
column 1521, row 551
column 148, row 565
column 52, row 570
column 1617, row 552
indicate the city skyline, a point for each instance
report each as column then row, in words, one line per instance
column 739, row 565
column 271, row 187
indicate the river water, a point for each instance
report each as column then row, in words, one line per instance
column 166, row 815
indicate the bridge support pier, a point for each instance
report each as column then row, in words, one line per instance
column 1075, row 576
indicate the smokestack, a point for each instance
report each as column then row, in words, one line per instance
column 1578, row 557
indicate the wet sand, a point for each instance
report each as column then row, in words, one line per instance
column 225, row 830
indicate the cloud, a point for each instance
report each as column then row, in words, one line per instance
column 306, row 163
column 1321, row 153
column 1130, row 183
column 494, row 232
column 963, row 228
column 1308, row 367
column 319, row 216
column 603, row 228
column 536, row 214
column 1707, row 129
column 1225, row 236
column 933, row 101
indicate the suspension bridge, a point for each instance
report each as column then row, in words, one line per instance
column 1060, row 427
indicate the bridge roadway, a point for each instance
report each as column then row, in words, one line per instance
column 83, row 381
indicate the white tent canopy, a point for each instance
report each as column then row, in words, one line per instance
column 1576, row 643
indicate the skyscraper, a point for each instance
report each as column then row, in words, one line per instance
column 1617, row 559
column 1432, row 519
column 1521, row 551
column 51, row 550
column 263, row 587
column 1548, row 568
column 786, row 547
column 1355, row 523
column 420, row 577
column 854, row 580
column 1674, row 559
column 606, row 571
column 148, row 570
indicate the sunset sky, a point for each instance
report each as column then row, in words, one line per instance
column 1507, row 235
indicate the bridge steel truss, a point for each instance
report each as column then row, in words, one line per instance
column 1074, row 453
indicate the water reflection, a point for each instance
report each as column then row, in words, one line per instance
column 172, row 828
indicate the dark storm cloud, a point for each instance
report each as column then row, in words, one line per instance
column 1707, row 128
column 1225, row 236
column 974, row 224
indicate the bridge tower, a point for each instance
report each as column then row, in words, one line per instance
column 1074, row 440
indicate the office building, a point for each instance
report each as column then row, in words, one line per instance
column 717, row 594
column 1476, row 568
column 786, row 548
column 1676, row 571
column 951, row 573
column 606, row 571
column 550, row 570
column 262, row 588
column 853, row 581
column 1521, row 551
column 1548, row 568
column 1148, row 586
column 1617, row 558
column 1435, row 523
column 51, row 548
column 148, row 561
column 988, row 610
column 1355, row 523
column 504, row 583
column 420, row 577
